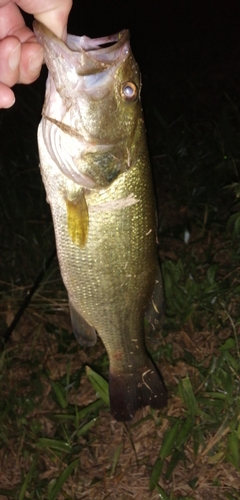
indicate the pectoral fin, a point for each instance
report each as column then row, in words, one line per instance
column 77, row 212
column 84, row 333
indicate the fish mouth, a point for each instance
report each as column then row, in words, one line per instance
column 100, row 58
column 97, row 58
column 115, row 46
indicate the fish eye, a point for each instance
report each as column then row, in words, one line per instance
column 129, row 91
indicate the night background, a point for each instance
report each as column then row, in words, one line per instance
column 57, row 437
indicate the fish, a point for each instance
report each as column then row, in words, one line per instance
column 95, row 166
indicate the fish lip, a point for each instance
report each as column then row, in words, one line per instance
column 84, row 52
column 93, row 45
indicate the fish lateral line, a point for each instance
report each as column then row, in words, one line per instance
column 117, row 204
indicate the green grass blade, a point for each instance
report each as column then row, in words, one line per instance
column 99, row 384
column 61, row 417
column 155, row 474
column 169, row 440
column 187, row 395
column 60, row 393
column 28, row 479
column 8, row 493
column 175, row 458
column 54, row 444
column 92, row 407
column 85, row 428
column 234, row 445
column 61, row 480
column 117, row 454
column 162, row 495
column 184, row 432
column 228, row 344
column 198, row 439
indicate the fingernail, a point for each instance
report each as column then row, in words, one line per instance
column 11, row 103
column 36, row 61
column 7, row 102
column 14, row 57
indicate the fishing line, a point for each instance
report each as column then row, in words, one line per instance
column 5, row 337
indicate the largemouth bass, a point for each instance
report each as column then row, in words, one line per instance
column 95, row 168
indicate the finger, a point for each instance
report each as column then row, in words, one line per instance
column 19, row 63
column 54, row 15
column 10, row 56
column 11, row 20
column 7, row 97
column 31, row 62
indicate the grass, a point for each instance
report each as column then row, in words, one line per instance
column 57, row 437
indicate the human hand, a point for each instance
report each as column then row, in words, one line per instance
column 21, row 57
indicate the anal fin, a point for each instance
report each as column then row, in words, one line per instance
column 84, row 333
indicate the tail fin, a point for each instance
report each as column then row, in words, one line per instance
column 130, row 391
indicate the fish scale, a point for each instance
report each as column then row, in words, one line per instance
column 105, row 234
